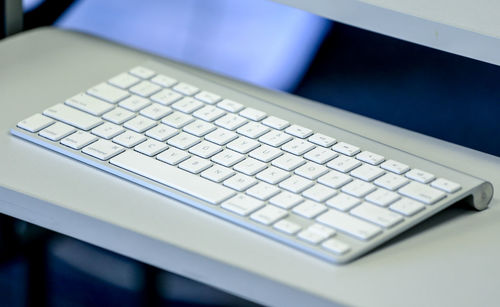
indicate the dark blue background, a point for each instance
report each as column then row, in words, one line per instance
column 450, row 97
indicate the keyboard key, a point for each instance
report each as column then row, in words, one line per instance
column 296, row 184
column 199, row 128
column 107, row 130
column 420, row 176
column 358, row 188
column 163, row 80
column 377, row 215
column 166, row 97
column 382, row 197
column 134, row 103
column 309, row 209
column 228, row 158
column 422, row 193
column 177, row 120
column 150, row 147
column 320, row 155
column 207, row 97
column 249, row 166
column 221, row 136
column 265, row 153
column 140, row 124
column 446, row 185
column 286, row 200
column 343, row 202
column 209, row 113
column 242, row 204
column 298, row 131
column 395, row 167
column 156, row 111
column 103, row 149
column 288, row 162
column 367, row 172
column 118, row 116
column 311, row 170
column 268, row 215
column 195, row 165
column 315, row 233
column 173, row 156
column 263, row 191
column 370, row 157
column 89, row 104
column 343, row 164
column 129, row 139
column 240, row 182
column 319, row 193
column 230, row 105
column 336, row 246
column 186, row 89
column 217, row 173
column 322, row 140
column 142, row 72
column 346, row 149
column 275, row 138
column 172, row 177
column 391, row 182
column 287, row 227
column 349, row 224
column 124, row 80
column 275, row 122
column 183, row 140
column 253, row 114
column 78, row 139
column 57, row 131
column 273, row 175
column 298, row 147
column 205, row 149
column 252, row 130
column 334, row 179
column 35, row 123
column 145, row 89
column 187, row 105
column 161, row 132
column 71, row 117
column 108, row 93
column 230, row 121
column 407, row 207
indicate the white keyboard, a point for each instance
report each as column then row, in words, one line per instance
column 312, row 186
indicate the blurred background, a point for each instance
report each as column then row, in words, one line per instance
column 442, row 95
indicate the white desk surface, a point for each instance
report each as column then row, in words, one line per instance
column 450, row 260
column 464, row 27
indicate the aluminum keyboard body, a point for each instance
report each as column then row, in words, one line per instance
column 328, row 228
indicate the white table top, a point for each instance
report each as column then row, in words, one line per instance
column 468, row 28
column 449, row 260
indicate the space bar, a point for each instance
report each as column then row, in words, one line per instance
column 172, row 177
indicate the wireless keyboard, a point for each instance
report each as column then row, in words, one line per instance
column 312, row 186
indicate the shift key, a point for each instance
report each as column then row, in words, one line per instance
column 172, row 177
column 422, row 193
column 72, row 116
